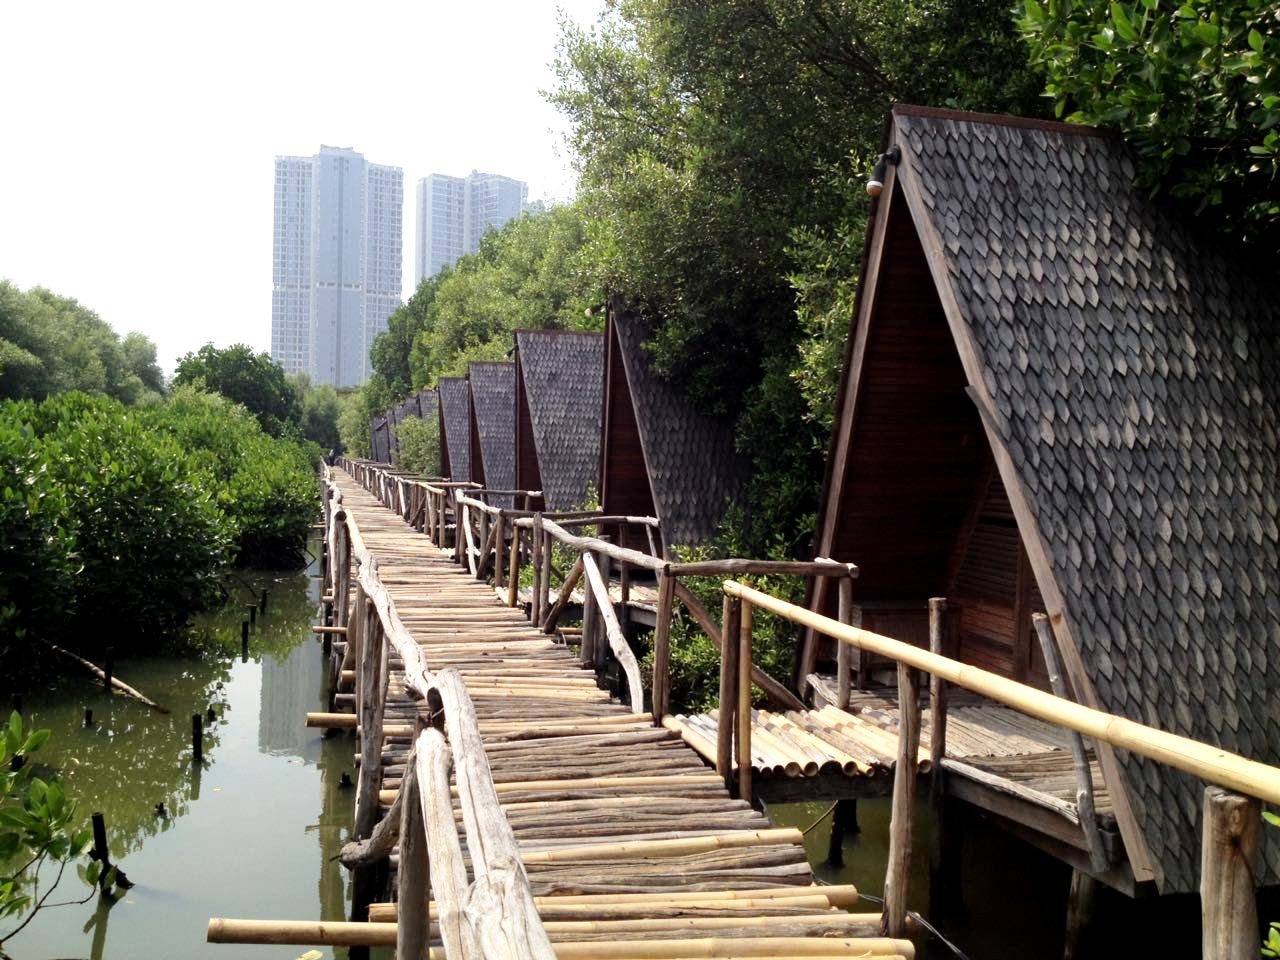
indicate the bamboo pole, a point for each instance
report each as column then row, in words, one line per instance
column 904, row 795
column 746, row 623
column 109, row 680
column 1209, row 763
column 1228, row 876
column 731, row 621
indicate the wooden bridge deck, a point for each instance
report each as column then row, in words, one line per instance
column 625, row 833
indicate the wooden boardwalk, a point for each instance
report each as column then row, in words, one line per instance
column 625, row 834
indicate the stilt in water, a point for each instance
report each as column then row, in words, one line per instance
column 1080, row 910
column 844, row 822
column 108, row 666
column 197, row 738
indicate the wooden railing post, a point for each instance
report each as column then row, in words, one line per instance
column 894, row 920
column 500, row 550
column 537, row 545
column 844, row 652
column 937, row 694
column 662, row 647
column 543, row 575
column 412, row 925
column 590, row 614
column 747, row 618
column 730, row 624
column 1228, row 875
column 513, row 572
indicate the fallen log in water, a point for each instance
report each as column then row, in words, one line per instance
column 98, row 672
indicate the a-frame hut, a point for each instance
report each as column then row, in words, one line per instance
column 559, row 378
column 493, row 390
column 661, row 456
column 1056, row 397
column 455, row 427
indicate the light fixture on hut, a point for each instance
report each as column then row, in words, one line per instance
column 876, row 183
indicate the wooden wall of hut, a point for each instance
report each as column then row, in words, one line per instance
column 528, row 475
column 624, row 476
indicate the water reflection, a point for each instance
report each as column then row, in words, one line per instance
column 254, row 831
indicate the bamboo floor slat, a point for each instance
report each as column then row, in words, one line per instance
column 625, row 832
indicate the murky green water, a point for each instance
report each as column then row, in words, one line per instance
column 252, row 832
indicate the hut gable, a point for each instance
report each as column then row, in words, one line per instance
column 558, row 405
column 1122, row 378
column 493, row 392
column 655, row 439
column 455, row 427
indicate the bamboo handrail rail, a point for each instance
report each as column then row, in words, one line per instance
column 1211, row 764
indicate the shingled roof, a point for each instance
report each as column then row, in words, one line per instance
column 693, row 471
column 1129, row 371
column 559, row 405
column 455, row 427
column 493, row 404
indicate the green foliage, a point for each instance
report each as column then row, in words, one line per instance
column 419, row 441
column 1194, row 85
column 722, row 149
column 116, row 522
column 264, row 486
column 35, row 828
column 248, row 378
column 695, row 659
column 319, row 411
column 51, row 344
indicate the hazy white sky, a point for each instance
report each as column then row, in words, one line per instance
column 137, row 140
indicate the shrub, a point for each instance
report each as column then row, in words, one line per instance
column 419, row 446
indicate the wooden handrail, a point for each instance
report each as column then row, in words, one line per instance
column 1211, row 764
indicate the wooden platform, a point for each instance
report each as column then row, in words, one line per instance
column 621, row 825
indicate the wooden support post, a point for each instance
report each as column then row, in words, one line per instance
column 745, row 629
column 1080, row 760
column 500, row 550
column 893, row 923
column 1228, row 875
column 1080, row 905
column 513, row 574
column 108, row 665
column 662, row 647
column 538, row 544
column 485, row 527
column 844, row 652
column 937, row 696
column 589, row 617
column 412, row 926
column 566, row 595
column 730, row 623
column 600, row 642
column 262, row 603
column 544, row 573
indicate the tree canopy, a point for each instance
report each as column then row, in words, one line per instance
column 51, row 344
column 248, row 378
column 1194, row 85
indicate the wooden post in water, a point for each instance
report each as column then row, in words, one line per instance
column 101, row 852
column 108, row 666
column 745, row 629
column 197, row 738
column 1080, row 904
column 1228, row 875
column 730, row 623
column 662, row 647
column 894, row 920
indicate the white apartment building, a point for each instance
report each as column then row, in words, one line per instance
column 453, row 213
column 336, row 262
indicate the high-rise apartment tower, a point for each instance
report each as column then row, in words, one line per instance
column 336, row 262
column 453, row 213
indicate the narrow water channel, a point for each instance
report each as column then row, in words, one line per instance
column 253, row 831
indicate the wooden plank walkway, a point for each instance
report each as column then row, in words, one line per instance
column 625, row 833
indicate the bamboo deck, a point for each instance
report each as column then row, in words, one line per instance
column 625, row 834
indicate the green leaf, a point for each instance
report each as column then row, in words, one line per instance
column 1124, row 26
column 1256, row 41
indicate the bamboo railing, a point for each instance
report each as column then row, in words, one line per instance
column 1232, row 811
